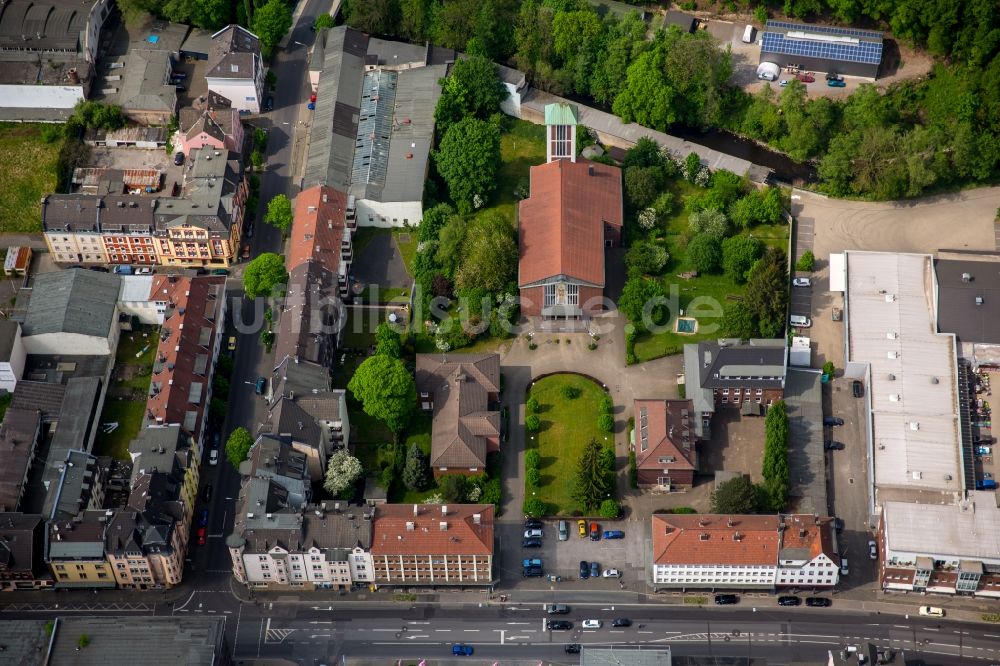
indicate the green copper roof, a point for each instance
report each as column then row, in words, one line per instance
column 561, row 114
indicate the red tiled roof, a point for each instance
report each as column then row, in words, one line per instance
column 709, row 539
column 391, row 535
column 807, row 532
column 318, row 228
column 666, row 427
column 562, row 222
column 184, row 354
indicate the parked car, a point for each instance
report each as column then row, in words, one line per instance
column 248, row 231
column 572, row 648
column 595, row 569
column 219, row 271
column 818, row 602
column 260, row 386
column 213, row 457
column 99, row 269
column 844, row 569
column 611, row 573
column 533, row 542
column 206, row 494
column 178, row 158
column 614, row 534
column 726, row 599
column 833, row 446
column 789, row 600
column 621, row 622
column 838, row 524
column 462, row 650
column 800, row 321
column 231, row 346
column 836, row 84
column 801, row 282
column 532, row 572
column 533, row 524
column 832, row 76
column 581, row 525
column 807, row 77
column 557, row 609
column 203, row 518
column 269, row 104
column 202, row 536
column 560, row 625
column 563, row 530
column 986, row 484
column 216, row 439
column 592, row 624
column 532, row 563
column 528, row 534
column 857, row 388
column 783, row 83
column 872, row 550
column 595, row 532
column 984, row 450
column 584, row 569
column 833, row 421
column 931, row 611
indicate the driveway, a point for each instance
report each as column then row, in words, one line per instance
column 606, row 364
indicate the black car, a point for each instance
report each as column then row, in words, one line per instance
column 533, row 542
column 269, row 104
column 789, row 601
column 532, row 572
column 557, row 609
column 560, row 625
column 621, row 622
column 834, row 446
column 818, row 602
column 206, row 494
column 833, row 421
column 857, row 388
column 572, row 648
column 838, row 524
column 726, row 599
column 584, row 569
column 178, row 158
column 833, row 76
column 533, row 524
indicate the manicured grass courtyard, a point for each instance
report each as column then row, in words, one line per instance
column 128, row 414
column 27, row 173
column 567, row 426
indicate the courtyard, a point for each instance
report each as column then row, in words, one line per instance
column 125, row 405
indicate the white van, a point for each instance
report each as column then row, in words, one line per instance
column 931, row 611
column 748, row 34
column 800, row 321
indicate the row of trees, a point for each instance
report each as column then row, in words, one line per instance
column 268, row 19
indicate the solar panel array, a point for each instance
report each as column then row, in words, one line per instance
column 824, row 30
column 371, row 150
column 864, row 52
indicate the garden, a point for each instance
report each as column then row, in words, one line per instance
column 27, row 173
column 569, row 448
column 125, row 404
column 709, row 244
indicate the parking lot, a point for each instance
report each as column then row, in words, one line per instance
column 562, row 558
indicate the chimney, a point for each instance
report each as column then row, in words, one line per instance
column 477, row 518
column 416, row 509
column 590, row 170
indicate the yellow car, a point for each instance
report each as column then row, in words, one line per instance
column 232, row 343
column 582, row 526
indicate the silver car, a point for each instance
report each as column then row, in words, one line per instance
column 563, row 530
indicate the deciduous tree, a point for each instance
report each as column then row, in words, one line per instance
column 735, row 496
column 473, row 88
column 342, row 471
column 705, row 253
column 739, row 254
column 271, row 22
column 238, row 446
column 279, row 213
column 639, row 302
column 468, row 160
column 386, row 390
column 263, row 274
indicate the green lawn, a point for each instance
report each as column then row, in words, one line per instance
column 566, row 428
column 135, row 355
column 407, row 248
column 522, row 145
column 128, row 414
column 28, row 171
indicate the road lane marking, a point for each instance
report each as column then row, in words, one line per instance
column 383, row 630
column 442, row 630
column 470, row 630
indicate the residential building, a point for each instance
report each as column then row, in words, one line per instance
column 80, row 487
column 19, row 437
column 12, row 355
column 373, row 126
column 949, row 548
column 139, row 640
column 463, row 392
column 743, row 552
column 134, row 136
column 433, row 544
column 236, row 69
column 665, row 443
column 821, row 48
column 190, row 338
column 126, row 223
column 729, row 373
column 21, row 546
column 17, row 261
column 167, row 449
column 212, row 123
column 74, row 551
column 574, row 213
column 76, row 315
column 71, row 229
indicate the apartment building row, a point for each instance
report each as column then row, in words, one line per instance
column 64, row 531
column 198, row 224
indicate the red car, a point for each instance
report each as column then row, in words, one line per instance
column 202, row 536
column 807, row 77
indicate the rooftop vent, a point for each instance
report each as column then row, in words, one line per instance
column 477, row 518
column 914, row 425
column 410, row 526
column 703, row 536
column 979, row 300
column 443, row 526
column 444, row 509
column 966, row 277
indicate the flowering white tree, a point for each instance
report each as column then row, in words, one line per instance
column 342, row 471
column 647, row 218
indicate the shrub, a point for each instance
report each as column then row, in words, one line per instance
column 607, row 405
column 633, row 470
column 606, row 422
column 533, row 507
column 492, row 493
column 532, row 459
column 828, row 368
column 807, row 262
column 610, row 509
column 570, row 392
column 532, row 423
column 532, row 405
column 532, row 477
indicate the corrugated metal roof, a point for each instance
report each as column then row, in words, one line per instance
column 73, row 301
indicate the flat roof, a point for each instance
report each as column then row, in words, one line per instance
column 138, row 640
column 891, row 308
column 966, row 529
column 822, row 41
column 969, row 297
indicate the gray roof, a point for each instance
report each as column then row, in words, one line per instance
column 83, row 540
column 73, row 301
column 19, row 535
column 73, row 491
column 207, row 200
column 55, row 25
column 626, row 656
column 341, row 529
column 70, row 212
column 139, row 640
column 298, row 379
column 958, row 311
column 25, row 640
column 18, row 439
column 8, row 333
column 159, row 448
column 76, row 420
column 729, row 363
column 198, row 41
column 702, row 398
column 310, row 316
column 43, row 396
column 287, row 419
column 235, row 54
column 145, row 84
column 806, row 457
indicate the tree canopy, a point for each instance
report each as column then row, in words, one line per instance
column 388, row 341
column 279, row 213
column 767, row 293
column 271, row 22
column 342, row 472
column 638, row 302
column 593, row 483
column 739, row 254
column 489, row 255
column 264, row 273
column 238, row 446
column 386, row 390
column 473, row 88
column 735, row 496
column 468, row 159
column 705, row 253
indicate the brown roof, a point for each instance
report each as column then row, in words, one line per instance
column 216, row 117
column 667, row 432
column 318, row 228
column 182, row 366
column 397, row 531
column 309, row 317
column 460, row 386
column 562, row 222
column 18, row 437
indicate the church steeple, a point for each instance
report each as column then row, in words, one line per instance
column 560, row 131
